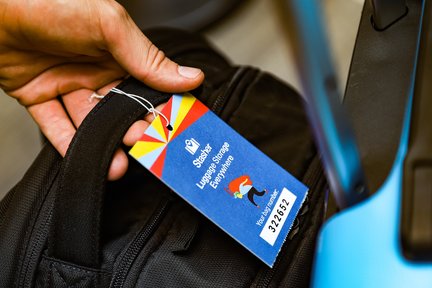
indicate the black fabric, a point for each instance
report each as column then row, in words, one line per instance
column 54, row 273
column 19, row 212
column 378, row 87
column 79, row 203
column 191, row 15
column 63, row 225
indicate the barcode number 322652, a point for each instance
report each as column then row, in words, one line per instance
column 280, row 212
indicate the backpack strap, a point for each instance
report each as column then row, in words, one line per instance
column 76, row 222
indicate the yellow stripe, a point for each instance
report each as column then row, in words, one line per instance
column 159, row 127
column 185, row 105
column 142, row 148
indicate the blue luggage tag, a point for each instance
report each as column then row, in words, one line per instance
column 222, row 175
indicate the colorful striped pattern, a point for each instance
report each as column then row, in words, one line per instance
column 181, row 111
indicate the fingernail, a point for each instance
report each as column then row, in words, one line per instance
column 189, row 72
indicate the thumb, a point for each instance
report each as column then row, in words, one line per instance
column 140, row 58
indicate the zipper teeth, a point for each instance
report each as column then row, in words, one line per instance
column 25, row 278
column 135, row 248
column 268, row 276
column 221, row 99
column 26, row 281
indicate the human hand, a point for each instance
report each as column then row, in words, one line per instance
column 71, row 49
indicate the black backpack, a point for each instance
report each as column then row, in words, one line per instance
column 64, row 225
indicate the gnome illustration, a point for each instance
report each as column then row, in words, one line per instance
column 242, row 186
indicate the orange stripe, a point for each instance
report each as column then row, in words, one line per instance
column 148, row 138
column 158, row 166
column 197, row 110
column 167, row 112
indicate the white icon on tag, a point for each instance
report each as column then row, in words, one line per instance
column 192, row 146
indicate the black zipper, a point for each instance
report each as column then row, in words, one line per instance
column 311, row 181
column 26, row 279
column 38, row 236
column 135, row 247
column 222, row 98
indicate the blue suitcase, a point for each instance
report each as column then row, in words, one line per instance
column 382, row 237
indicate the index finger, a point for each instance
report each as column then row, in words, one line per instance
column 54, row 123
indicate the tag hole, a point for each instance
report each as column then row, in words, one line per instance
column 169, row 127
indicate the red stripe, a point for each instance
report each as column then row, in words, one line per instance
column 148, row 138
column 167, row 112
column 197, row 110
column 158, row 166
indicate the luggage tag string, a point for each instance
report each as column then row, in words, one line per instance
column 138, row 99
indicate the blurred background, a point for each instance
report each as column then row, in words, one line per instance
column 248, row 32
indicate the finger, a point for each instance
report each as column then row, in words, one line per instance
column 78, row 107
column 150, row 117
column 137, row 55
column 118, row 166
column 63, row 79
column 79, row 103
column 137, row 129
column 106, row 89
column 135, row 132
column 21, row 66
column 54, row 123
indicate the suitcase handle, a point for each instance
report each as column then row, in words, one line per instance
column 75, row 232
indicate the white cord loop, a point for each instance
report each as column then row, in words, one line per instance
column 140, row 100
column 95, row 96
